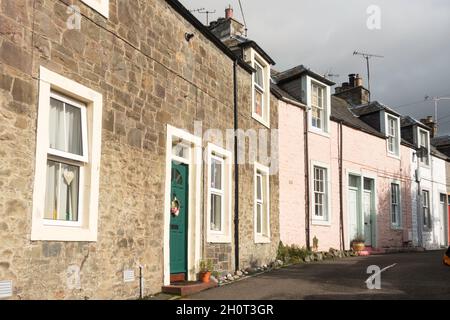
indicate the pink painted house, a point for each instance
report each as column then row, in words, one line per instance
column 344, row 170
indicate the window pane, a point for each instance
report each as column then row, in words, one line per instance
column 62, row 192
column 367, row 184
column 51, row 199
column 56, row 125
column 73, row 130
column 65, row 127
column 258, row 102
column 353, row 182
column 258, row 217
column 216, row 174
column 259, row 76
column 259, row 187
column 216, row 212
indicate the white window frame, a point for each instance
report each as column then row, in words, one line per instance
column 218, row 153
column 399, row 222
column 324, row 220
column 396, row 152
column 264, row 172
column 256, row 59
column 85, row 229
column 101, row 6
column 322, row 107
column 79, row 161
column 427, row 145
column 325, row 130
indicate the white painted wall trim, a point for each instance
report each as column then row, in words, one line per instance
column 87, row 231
column 195, row 196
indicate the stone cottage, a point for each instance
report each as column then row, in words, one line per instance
column 118, row 170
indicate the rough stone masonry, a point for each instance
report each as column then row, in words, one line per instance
column 149, row 76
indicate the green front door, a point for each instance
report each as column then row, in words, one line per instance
column 179, row 218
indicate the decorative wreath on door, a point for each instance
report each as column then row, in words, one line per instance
column 175, row 207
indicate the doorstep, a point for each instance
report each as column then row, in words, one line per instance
column 188, row 288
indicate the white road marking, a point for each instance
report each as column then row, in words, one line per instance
column 372, row 277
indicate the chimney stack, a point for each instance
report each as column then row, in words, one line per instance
column 229, row 12
column 429, row 122
column 353, row 91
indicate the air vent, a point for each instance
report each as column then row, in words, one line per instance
column 128, row 276
column 6, row 289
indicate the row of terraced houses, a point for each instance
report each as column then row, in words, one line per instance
column 136, row 142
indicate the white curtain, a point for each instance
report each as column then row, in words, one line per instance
column 56, row 125
column 61, row 197
column 65, row 127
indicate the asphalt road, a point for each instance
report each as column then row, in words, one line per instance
column 415, row 276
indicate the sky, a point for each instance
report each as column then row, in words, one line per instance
column 413, row 37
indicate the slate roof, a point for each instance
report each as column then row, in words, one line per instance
column 296, row 72
column 440, row 141
column 280, row 93
column 372, row 107
column 409, row 121
column 435, row 152
column 340, row 111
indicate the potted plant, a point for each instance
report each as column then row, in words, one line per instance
column 206, row 268
column 359, row 243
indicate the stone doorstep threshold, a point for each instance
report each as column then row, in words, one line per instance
column 188, row 288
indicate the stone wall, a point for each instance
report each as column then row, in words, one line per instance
column 149, row 77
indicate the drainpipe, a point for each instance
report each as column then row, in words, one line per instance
column 419, row 215
column 341, row 194
column 236, row 170
column 141, row 281
column 307, row 196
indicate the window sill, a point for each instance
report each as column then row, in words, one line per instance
column 393, row 155
column 44, row 232
column 261, row 120
column 262, row 240
column 217, row 238
column 396, row 228
column 322, row 223
column 319, row 132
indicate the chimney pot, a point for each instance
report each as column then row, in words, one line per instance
column 358, row 81
column 351, row 80
column 229, row 12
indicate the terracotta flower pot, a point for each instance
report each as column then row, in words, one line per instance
column 205, row 276
column 358, row 246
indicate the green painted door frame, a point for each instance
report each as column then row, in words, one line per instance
column 179, row 218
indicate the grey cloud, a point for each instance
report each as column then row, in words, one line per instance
column 322, row 34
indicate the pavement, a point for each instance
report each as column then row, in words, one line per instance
column 415, row 276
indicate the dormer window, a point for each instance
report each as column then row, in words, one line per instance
column 318, row 99
column 424, row 142
column 261, row 91
column 393, row 134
